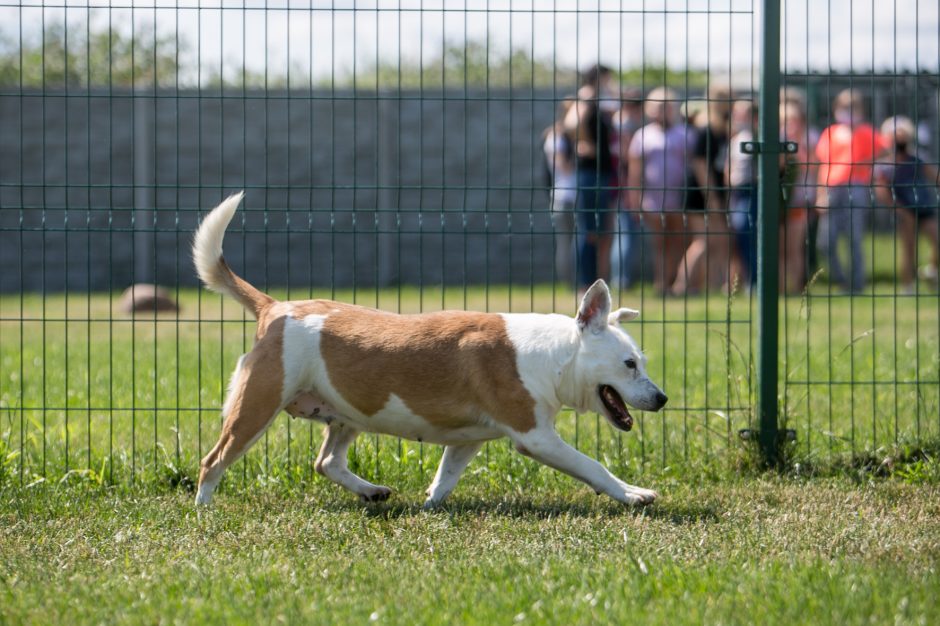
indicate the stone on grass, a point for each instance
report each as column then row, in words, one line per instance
column 146, row 298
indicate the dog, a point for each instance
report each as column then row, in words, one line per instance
column 454, row 378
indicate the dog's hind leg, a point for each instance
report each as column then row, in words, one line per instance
column 332, row 463
column 254, row 401
column 453, row 463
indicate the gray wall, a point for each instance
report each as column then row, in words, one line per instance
column 102, row 189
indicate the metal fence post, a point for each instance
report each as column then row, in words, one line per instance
column 768, row 209
column 144, row 189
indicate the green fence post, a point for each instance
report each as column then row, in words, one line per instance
column 768, row 209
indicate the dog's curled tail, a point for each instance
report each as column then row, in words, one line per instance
column 211, row 265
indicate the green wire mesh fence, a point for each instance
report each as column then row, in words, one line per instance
column 417, row 156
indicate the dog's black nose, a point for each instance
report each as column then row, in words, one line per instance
column 661, row 399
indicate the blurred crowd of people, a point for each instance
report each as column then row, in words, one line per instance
column 624, row 168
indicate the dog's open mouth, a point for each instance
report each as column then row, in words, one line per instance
column 615, row 407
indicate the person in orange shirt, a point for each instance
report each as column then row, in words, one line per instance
column 846, row 153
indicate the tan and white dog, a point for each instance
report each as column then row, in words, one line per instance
column 454, row 378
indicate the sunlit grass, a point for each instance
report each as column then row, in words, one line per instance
column 83, row 386
column 103, row 419
column 732, row 552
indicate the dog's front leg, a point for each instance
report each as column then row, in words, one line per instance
column 453, row 463
column 332, row 462
column 544, row 445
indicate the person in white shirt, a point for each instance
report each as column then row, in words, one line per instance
column 560, row 174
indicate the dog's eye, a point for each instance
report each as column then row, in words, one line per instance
column 631, row 364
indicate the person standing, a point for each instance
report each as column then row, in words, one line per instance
column 657, row 180
column 906, row 182
column 846, row 152
column 626, row 121
column 742, row 178
column 800, row 197
column 562, row 183
column 706, row 259
column 587, row 125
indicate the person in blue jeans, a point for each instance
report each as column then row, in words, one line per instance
column 846, row 151
column 625, row 122
column 741, row 175
column 588, row 127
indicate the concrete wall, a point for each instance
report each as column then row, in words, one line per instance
column 102, row 189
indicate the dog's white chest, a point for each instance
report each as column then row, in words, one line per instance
column 394, row 419
column 397, row 419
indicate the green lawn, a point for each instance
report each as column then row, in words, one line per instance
column 737, row 551
column 83, row 387
column 103, row 420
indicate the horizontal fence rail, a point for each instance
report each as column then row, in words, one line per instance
column 417, row 157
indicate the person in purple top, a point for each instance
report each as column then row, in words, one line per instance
column 904, row 181
column 658, row 157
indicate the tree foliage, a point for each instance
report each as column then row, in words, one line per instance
column 61, row 56
column 84, row 55
column 653, row 75
column 470, row 63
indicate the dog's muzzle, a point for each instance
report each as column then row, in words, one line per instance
column 661, row 400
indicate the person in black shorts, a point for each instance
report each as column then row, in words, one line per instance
column 706, row 259
column 588, row 127
column 904, row 181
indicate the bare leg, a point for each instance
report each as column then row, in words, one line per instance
column 738, row 275
column 654, row 224
column 332, row 463
column 544, row 445
column 929, row 228
column 706, row 259
column 793, row 251
column 604, row 244
column 718, row 259
column 675, row 241
column 689, row 276
column 453, row 463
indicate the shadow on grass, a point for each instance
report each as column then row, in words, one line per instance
column 673, row 512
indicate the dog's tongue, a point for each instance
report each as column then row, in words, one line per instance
column 627, row 419
column 616, row 408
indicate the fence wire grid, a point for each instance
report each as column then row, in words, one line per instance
column 419, row 156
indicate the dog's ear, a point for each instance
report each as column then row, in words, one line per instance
column 622, row 315
column 595, row 307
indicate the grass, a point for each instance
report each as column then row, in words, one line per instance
column 737, row 551
column 103, row 419
column 84, row 387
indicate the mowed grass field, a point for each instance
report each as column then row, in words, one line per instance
column 85, row 387
column 103, row 419
column 737, row 551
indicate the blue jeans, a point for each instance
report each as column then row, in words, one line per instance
column 593, row 213
column 848, row 210
column 626, row 260
column 744, row 224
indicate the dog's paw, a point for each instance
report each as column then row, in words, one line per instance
column 379, row 494
column 637, row 496
column 203, row 497
column 432, row 505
